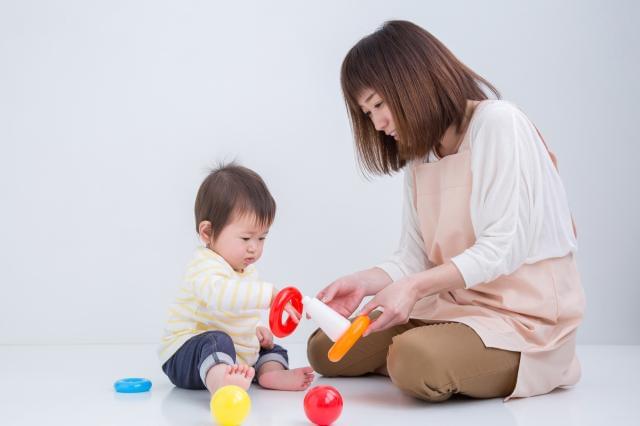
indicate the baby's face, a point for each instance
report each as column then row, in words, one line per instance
column 241, row 242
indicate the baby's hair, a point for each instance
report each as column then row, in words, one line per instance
column 229, row 191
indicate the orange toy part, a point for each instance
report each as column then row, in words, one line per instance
column 349, row 338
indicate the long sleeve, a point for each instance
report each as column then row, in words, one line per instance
column 518, row 205
column 223, row 293
column 410, row 256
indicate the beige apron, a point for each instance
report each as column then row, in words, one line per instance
column 534, row 310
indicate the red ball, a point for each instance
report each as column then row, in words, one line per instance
column 323, row 405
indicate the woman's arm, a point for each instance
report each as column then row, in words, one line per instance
column 518, row 206
column 440, row 278
column 399, row 298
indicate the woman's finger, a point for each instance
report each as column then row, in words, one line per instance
column 342, row 311
column 370, row 306
column 381, row 323
column 328, row 293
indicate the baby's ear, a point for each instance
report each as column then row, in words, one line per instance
column 205, row 231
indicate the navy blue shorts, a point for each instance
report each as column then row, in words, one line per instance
column 188, row 367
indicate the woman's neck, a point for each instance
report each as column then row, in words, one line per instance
column 452, row 138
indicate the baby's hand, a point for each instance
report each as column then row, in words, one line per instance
column 264, row 337
column 289, row 309
column 293, row 314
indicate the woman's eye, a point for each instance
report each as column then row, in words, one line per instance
column 379, row 104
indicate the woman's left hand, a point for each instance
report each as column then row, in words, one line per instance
column 396, row 300
column 264, row 337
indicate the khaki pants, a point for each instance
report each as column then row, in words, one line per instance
column 428, row 360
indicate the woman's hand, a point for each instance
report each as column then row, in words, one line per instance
column 397, row 301
column 264, row 337
column 344, row 294
column 398, row 298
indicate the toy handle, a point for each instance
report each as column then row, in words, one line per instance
column 286, row 295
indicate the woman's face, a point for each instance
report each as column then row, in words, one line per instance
column 374, row 107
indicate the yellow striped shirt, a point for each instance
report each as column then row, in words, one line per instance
column 216, row 297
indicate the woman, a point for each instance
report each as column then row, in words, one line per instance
column 482, row 297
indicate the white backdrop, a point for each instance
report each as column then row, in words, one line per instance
column 111, row 113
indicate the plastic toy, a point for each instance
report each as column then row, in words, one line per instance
column 230, row 405
column 335, row 326
column 286, row 295
column 323, row 404
column 132, row 385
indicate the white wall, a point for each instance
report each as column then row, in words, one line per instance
column 112, row 111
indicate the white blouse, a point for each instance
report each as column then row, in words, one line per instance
column 519, row 209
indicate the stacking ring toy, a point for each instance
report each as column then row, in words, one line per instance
column 349, row 338
column 339, row 330
column 286, row 295
column 132, row 385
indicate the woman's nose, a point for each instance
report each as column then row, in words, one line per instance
column 379, row 122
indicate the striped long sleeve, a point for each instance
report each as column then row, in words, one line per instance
column 222, row 289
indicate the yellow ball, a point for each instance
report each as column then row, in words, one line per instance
column 230, row 405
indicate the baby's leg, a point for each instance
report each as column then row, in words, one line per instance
column 222, row 375
column 273, row 375
column 218, row 366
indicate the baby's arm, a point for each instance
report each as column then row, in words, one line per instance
column 224, row 293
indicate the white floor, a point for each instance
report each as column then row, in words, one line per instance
column 73, row 385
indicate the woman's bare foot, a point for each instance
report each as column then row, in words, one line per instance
column 297, row 379
column 223, row 375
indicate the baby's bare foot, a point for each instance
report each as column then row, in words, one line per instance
column 297, row 379
column 239, row 375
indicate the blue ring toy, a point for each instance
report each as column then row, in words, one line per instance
column 132, row 385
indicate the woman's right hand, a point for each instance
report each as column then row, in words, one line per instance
column 344, row 294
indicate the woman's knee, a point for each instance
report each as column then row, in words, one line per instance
column 418, row 368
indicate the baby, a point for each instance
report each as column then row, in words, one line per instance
column 213, row 337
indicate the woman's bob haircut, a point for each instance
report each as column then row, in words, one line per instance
column 424, row 85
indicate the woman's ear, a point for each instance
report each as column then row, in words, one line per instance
column 205, row 231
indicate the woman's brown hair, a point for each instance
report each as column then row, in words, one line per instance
column 424, row 85
column 231, row 190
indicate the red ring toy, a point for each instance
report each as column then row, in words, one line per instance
column 286, row 295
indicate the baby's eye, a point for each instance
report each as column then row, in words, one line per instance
column 245, row 239
column 262, row 238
